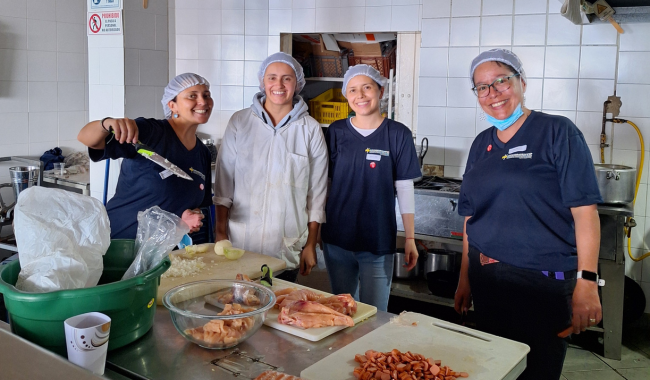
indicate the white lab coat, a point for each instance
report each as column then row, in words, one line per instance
column 273, row 180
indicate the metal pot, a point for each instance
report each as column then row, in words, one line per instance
column 440, row 272
column 400, row 271
column 616, row 182
column 440, row 259
column 421, row 151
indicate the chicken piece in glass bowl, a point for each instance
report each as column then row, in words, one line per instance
column 201, row 318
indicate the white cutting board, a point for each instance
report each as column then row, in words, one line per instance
column 219, row 267
column 494, row 360
column 364, row 311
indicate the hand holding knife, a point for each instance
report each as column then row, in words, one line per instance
column 125, row 130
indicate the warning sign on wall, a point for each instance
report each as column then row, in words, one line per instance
column 104, row 23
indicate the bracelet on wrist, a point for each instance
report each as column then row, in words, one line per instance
column 108, row 130
column 410, row 238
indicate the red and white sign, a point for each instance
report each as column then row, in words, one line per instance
column 109, row 22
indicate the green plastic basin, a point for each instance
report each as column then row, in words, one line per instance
column 131, row 304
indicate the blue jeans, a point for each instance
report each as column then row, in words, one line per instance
column 364, row 275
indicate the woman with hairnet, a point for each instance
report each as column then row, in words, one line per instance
column 371, row 158
column 142, row 183
column 272, row 172
column 532, row 232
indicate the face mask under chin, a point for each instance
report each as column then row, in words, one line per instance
column 502, row 125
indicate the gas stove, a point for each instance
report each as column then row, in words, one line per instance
column 436, row 208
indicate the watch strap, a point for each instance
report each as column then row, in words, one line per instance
column 590, row 276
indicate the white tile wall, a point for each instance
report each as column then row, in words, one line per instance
column 465, row 31
column 530, row 30
column 496, row 31
column 562, row 62
column 461, row 8
column 459, row 61
column 530, row 7
column 497, row 7
column 433, row 62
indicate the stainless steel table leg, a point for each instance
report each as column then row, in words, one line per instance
column 612, row 298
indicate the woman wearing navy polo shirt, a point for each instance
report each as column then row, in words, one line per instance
column 371, row 158
column 532, row 233
column 143, row 184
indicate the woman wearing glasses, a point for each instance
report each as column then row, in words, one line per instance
column 532, row 234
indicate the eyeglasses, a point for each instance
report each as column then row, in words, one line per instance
column 500, row 84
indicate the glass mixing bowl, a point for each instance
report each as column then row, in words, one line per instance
column 218, row 314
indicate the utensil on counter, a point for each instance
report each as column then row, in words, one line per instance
column 267, row 276
column 616, row 182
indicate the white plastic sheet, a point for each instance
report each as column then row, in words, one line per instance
column 61, row 238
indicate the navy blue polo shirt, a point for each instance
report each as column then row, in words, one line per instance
column 140, row 185
column 361, row 203
column 520, row 194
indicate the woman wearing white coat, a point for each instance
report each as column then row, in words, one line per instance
column 271, row 174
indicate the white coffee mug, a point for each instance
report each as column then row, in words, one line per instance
column 86, row 337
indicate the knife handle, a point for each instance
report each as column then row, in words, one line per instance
column 143, row 149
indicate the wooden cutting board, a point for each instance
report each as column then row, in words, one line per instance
column 364, row 311
column 494, row 358
column 218, row 267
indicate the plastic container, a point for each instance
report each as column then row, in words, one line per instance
column 382, row 64
column 328, row 66
column 131, row 304
column 197, row 319
column 329, row 106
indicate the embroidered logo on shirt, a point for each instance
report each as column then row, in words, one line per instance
column 521, row 156
column 377, row 151
column 198, row 173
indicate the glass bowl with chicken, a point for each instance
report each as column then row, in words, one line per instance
column 218, row 314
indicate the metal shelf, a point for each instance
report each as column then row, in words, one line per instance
column 433, row 238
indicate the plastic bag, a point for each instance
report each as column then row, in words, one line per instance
column 61, row 237
column 158, row 233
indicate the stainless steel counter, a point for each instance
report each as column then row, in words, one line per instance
column 164, row 354
column 80, row 181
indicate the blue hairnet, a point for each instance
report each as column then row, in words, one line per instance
column 179, row 84
column 499, row 55
column 362, row 69
column 287, row 59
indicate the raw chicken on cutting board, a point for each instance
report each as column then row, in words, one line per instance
column 363, row 312
column 311, row 314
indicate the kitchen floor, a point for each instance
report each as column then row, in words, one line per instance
column 583, row 360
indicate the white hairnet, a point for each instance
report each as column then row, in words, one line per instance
column 287, row 59
column 499, row 55
column 362, row 69
column 179, row 84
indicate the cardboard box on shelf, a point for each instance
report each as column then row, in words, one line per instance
column 372, row 49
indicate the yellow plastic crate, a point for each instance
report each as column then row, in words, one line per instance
column 329, row 106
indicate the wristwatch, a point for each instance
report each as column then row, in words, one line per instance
column 591, row 276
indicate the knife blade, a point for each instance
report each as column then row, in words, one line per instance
column 149, row 154
column 456, row 330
